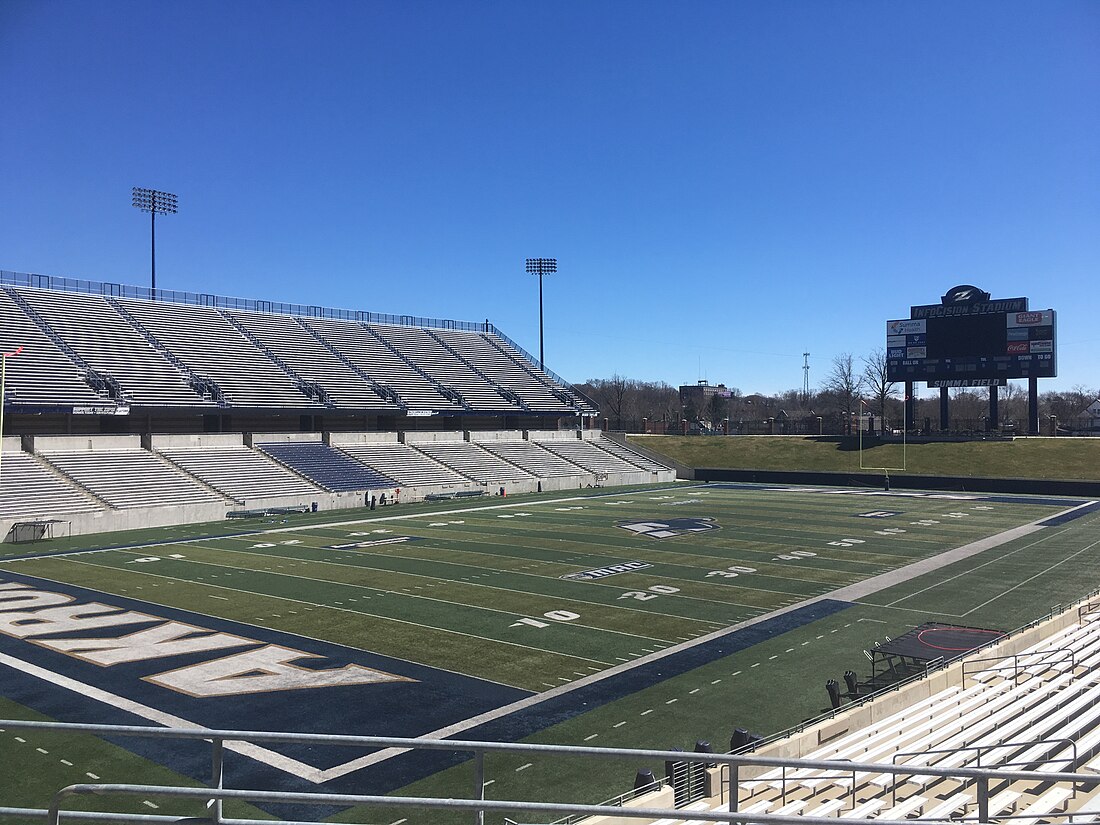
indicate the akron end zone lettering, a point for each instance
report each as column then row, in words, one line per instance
column 26, row 613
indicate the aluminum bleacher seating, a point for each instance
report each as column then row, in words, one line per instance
column 405, row 465
column 304, row 353
column 240, row 473
column 41, row 374
column 473, row 461
column 533, row 458
column 209, row 346
column 131, row 478
column 112, row 347
column 590, row 456
column 30, row 489
column 326, row 466
column 575, row 400
column 506, row 370
column 627, row 454
column 373, row 357
column 427, row 352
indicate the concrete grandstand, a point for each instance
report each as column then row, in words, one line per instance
column 128, row 408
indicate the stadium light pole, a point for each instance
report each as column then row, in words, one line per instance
column 154, row 202
column 540, row 267
column 4, row 397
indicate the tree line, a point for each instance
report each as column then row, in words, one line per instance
column 851, row 387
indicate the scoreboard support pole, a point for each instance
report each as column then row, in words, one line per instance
column 994, row 418
column 944, row 422
column 1033, row 405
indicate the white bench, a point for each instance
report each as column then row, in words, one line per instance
column 1053, row 800
column 944, row 809
column 914, row 804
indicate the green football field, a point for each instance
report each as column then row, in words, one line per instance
column 549, row 592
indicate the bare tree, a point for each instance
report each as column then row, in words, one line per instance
column 716, row 409
column 844, row 384
column 874, row 379
column 625, row 401
column 610, row 394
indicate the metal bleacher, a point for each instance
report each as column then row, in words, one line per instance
column 130, row 478
column 591, row 457
column 326, row 466
column 443, row 366
column 1032, row 711
column 474, row 461
column 629, row 455
column 492, row 361
column 87, row 342
column 240, row 473
column 403, row 464
column 533, row 458
column 373, row 357
column 304, row 353
column 212, row 348
column 113, row 347
column 41, row 373
column 30, row 489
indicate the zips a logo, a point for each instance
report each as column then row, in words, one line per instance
column 669, row 527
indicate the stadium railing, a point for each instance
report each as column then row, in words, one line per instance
column 36, row 281
column 477, row 805
column 54, row 282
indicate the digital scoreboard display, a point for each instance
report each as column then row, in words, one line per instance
column 972, row 343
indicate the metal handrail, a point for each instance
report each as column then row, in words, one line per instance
column 478, row 804
column 1015, row 666
column 61, row 284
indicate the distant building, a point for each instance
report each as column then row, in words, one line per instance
column 698, row 395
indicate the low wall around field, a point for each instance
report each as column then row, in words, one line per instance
column 908, row 481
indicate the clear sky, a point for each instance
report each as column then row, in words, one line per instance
column 725, row 184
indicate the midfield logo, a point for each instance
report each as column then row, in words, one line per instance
column 667, row 528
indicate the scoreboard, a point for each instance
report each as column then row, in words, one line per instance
column 971, row 342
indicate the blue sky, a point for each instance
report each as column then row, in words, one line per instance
column 725, row 185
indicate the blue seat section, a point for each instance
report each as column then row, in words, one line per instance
column 327, row 466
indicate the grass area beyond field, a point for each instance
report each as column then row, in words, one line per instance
column 1039, row 458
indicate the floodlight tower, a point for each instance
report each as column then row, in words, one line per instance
column 540, row 267
column 154, row 202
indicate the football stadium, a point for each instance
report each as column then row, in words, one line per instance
column 269, row 561
column 778, row 503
